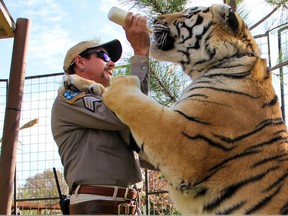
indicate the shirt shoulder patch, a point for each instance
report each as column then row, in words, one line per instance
column 90, row 103
column 69, row 96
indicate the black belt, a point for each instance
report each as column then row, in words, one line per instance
column 103, row 207
column 127, row 194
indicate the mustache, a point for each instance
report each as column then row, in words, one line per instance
column 109, row 67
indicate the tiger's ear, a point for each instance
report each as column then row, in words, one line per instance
column 224, row 13
column 232, row 21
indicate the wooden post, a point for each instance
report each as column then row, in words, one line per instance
column 12, row 114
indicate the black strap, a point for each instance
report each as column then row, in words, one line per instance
column 133, row 145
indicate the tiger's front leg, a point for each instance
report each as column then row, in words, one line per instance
column 132, row 107
column 76, row 83
column 150, row 122
column 158, row 132
column 122, row 95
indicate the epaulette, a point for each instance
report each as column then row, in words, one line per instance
column 69, row 96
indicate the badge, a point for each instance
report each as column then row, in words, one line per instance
column 70, row 96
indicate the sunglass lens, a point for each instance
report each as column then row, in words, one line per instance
column 106, row 57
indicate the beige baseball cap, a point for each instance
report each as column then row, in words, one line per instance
column 113, row 48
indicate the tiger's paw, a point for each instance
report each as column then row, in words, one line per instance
column 96, row 88
column 76, row 83
column 121, row 91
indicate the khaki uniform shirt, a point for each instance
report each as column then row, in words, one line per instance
column 93, row 143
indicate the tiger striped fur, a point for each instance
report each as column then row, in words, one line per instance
column 223, row 147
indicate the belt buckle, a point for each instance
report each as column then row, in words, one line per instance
column 126, row 206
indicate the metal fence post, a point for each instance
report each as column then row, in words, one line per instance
column 12, row 114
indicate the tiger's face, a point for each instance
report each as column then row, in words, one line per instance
column 199, row 37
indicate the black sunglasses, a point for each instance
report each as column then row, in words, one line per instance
column 100, row 54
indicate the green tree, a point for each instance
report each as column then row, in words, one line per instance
column 42, row 187
column 232, row 3
column 159, row 6
column 276, row 4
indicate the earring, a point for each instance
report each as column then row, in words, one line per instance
column 82, row 69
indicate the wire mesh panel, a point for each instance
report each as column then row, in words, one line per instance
column 37, row 153
column 283, row 70
column 274, row 48
column 155, row 199
column 263, row 43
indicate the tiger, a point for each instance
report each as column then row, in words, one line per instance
column 222, row 147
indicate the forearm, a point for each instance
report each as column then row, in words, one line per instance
column 140, row 68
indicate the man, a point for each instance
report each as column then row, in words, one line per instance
column 100, row 167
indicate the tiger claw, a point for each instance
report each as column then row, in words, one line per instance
column 67, row 82
column 96, row 89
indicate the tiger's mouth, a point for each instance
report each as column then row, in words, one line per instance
column 162, row 36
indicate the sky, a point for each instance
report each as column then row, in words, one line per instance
column 58, row 25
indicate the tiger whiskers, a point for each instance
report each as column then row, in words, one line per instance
column 161, row 34
column 160, row 27
column 161, row 39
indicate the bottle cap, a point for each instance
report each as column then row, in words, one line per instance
column 117, row 15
